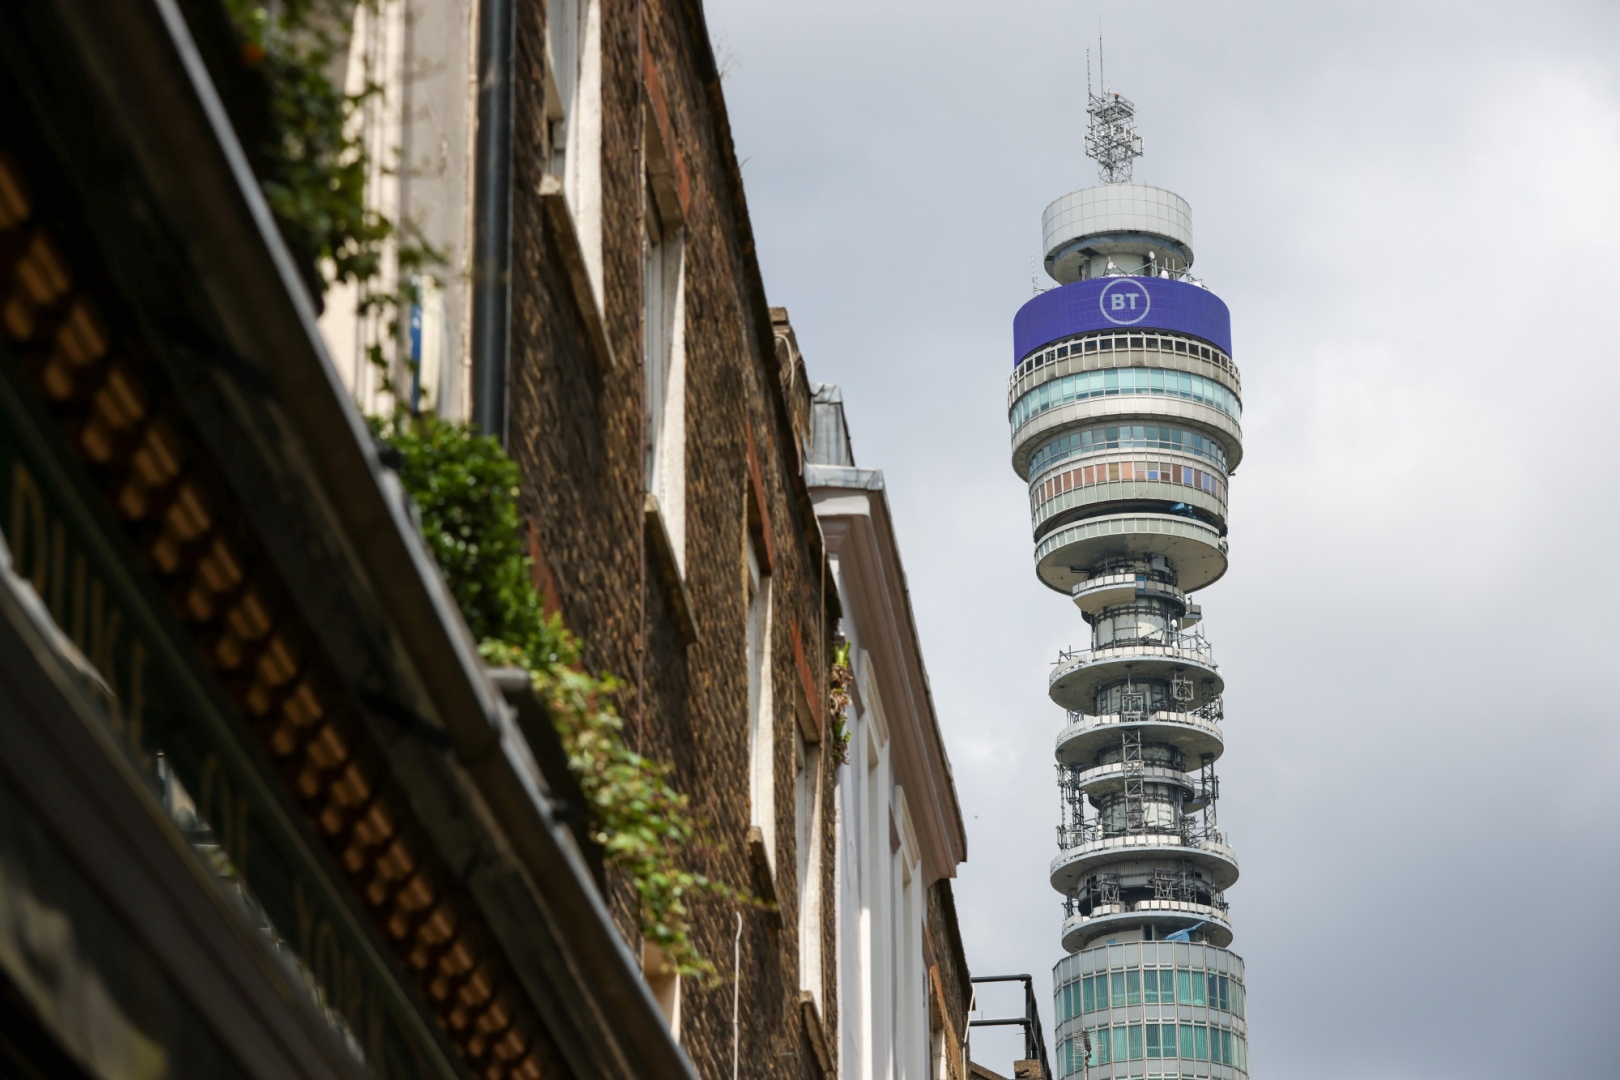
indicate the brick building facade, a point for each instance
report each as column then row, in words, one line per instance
column 662, row 419
column 658, row 590
column 263, row 810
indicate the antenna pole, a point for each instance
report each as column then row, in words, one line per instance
column 1111, row 138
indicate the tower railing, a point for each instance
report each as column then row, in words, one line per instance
column 1190, row 832
column 1183, row 641
column 1157, row 270
column 1208, row 713
column 1192, row 905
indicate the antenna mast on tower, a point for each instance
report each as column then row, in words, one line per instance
column 1111, row 138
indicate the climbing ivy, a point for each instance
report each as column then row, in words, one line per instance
column 465, row 489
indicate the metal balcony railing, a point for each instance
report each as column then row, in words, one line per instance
column 1191, row 832
column 1208, row 713
column 1181, row 641
column 1215, row 908
column 1180, row 646
column 1159, row 270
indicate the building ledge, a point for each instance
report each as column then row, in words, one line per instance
column 667, row 567
column 815, row 1030
column 565, row 238
column 759, row 858
column 843, row 476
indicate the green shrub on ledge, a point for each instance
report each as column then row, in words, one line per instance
column 465, row 488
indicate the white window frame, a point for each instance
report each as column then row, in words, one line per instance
column 807, row 823
column 573, row 137
column 664, row 360
column 761, row 708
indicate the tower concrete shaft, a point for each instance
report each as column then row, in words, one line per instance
column 1125, row 409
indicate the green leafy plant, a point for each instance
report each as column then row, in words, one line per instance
column 465, row 489
column 311, row 159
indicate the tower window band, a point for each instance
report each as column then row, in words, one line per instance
column 1094, row 440
column 1113, row 382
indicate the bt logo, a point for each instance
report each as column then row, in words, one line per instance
column 1124, row 301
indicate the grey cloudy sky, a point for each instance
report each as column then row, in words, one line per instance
column 1412, row 210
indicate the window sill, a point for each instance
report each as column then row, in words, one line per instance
column 668, row 569
column 815, row 1031
column 560, row 220
column 764, row 872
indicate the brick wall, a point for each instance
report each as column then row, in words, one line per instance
column 949, row 981
column 576, row 429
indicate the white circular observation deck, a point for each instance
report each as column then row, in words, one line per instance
column 1193, row 736
column 1166, row 916
column 1103, row 780
column 1114, row 219
column 1147, row 851
column 1075, row 681
column 1121, row 587
column 1064, row 557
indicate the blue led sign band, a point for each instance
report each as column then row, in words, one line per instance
column 1121, row 303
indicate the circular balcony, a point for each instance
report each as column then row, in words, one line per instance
column 1085, row 491
column 1103, row 780
column 1044, row 429
column 1194, row 736
column 1064, row 557
column 1217, row 861
column 1087, row 443
column 1102, row 347
column 1165, row 916
column 1078, row 676
column 1122, row 587
column 1097, row 213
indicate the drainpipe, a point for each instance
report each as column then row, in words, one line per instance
column 492, row 218
column 736, row 1003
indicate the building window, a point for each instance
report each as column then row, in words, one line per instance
column 807, row 836
column 664, row 358
column 761, row 725
column 573, row 135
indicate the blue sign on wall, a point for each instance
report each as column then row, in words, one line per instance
column 1137, row 303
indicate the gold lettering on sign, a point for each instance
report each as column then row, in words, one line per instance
column 27, row 523
column 306, row 917
column 105, row 623
column 338, row 973
column 136, row 707
column 75, row 629
column 58, row 559
column 43, row 554
column 226, row 811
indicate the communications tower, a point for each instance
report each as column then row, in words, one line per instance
column 1125, row 407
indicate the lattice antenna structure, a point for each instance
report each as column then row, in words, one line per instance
column 1111, row 138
